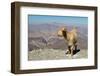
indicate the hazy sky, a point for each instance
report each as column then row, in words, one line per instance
column 34, row 19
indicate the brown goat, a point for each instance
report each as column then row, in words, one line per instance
column 71, row 39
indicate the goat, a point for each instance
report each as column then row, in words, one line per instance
column 70, row 38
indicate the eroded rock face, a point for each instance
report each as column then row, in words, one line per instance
column 57, row 43
column 44, row 36
column 36, row 43
column 52, row 43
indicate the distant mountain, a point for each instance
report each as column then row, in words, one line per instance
column 45, row 36
column 42, row 27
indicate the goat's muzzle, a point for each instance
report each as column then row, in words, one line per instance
column 59, row 33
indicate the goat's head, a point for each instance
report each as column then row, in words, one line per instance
column 62, row 32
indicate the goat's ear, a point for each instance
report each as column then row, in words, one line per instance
column 63, row 28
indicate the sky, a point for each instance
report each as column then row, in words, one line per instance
column 39, row 19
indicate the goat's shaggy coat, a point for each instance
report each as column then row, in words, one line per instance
column 70, row 37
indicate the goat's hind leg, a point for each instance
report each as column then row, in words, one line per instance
column 75, row 47
column 72, row 49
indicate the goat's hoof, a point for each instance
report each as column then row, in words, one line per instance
column 66, row 53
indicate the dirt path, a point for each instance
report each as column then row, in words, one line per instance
column 51, row 54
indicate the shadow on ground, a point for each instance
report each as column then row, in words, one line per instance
column 76, row 51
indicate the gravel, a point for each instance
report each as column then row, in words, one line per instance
column 55, row 54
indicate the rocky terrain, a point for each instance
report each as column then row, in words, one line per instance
column 54, row 54
column 44, row 37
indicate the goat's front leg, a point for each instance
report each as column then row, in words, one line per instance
column 68, row 51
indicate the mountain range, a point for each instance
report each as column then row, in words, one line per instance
column 44, row 35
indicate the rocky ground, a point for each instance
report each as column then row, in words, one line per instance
column 54, row 54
